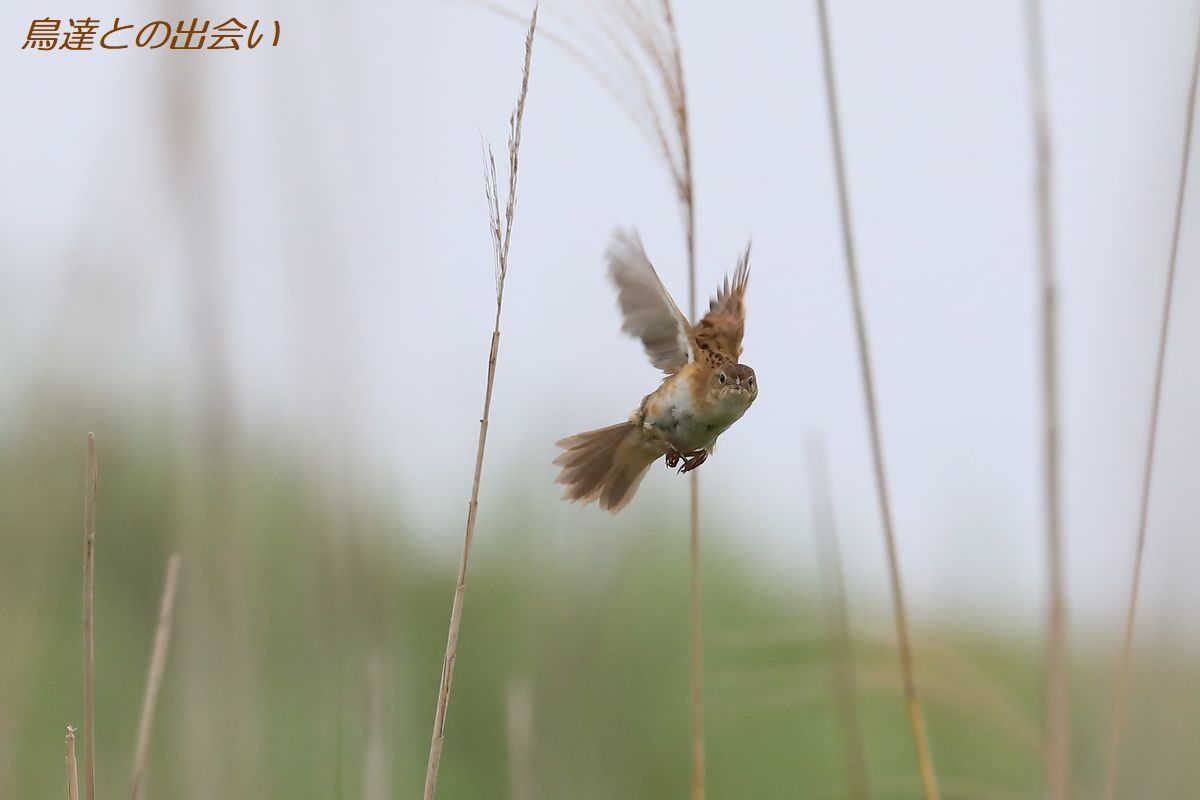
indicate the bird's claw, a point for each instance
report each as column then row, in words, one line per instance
column 690, row 460
column 693, row 460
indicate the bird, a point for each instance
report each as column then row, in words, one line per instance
column 704, row 392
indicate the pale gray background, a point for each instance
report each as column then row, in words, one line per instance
column 338, row 205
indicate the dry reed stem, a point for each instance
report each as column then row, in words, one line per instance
column 696, row 647
column 501, row 249
column 837, row 623
column 375, row 760
column 1058, row 771
column 72, row 769
column 158, row 663
column 1123, row 668
column 91, row 477
column 671, row 74
column 643, row 44
column 518, row 733
column 916, row 718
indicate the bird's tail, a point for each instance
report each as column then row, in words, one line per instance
column 605, row 465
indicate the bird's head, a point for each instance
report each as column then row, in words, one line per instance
column 735, row 380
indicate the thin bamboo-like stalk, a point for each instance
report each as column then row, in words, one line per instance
column 1058, row 770
column 837, row 624
column 91, row 476
column 72, row 769
column 1123, row 668
column 500, row 242
column 912, row 698
column 158, row 663
column 643, row 48
column 696, row 650
column 677, row 95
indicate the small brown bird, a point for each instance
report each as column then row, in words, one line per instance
column 706, row 390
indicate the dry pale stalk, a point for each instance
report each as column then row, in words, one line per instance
column 1058, row 772
column 912, row 698
column 1123, row 667
column 72, row 769
column 154, row 674
column 672, row 77
column 500, row 243
column 837, row 624
column 632, row 49
column 91, row 477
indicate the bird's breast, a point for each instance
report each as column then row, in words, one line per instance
column 683, row 413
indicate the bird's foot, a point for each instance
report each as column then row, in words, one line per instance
column 693, row 460
column 673, row 457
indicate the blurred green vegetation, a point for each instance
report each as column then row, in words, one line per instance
column 291, row 586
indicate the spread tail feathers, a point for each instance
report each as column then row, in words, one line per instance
column 605, row 465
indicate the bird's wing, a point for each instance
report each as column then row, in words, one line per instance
column 722, row 327
column 647, row 309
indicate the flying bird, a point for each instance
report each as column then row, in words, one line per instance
column 706, row 390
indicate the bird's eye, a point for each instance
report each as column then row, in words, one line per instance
column 721, row 377
column 751, row 379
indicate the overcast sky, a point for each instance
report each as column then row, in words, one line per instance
column 342, row 205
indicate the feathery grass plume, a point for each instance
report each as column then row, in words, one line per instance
column 640, row 41
column 500, row 244
column 837, row 623
column 518, row 734
column 72, row 770
column 1123, row 667
column 912, row 698
column 1058, row 770
column 158, row 662
column 91, row 476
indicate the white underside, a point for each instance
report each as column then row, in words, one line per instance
column 675, row 417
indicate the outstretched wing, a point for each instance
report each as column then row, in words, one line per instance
column 647, row 309
column 722, row 327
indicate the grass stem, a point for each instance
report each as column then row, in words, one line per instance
column 72, row 769
column 1058, row 771
column 837, row 624
column 91, row 476
column 912, row 698
column 158, row 662
column 501, row 248
column 1121, row 689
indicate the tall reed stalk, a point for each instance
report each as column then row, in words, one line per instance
column 837, row 624
column 501, row 238
column 72, row 769
column 154, row 674
column 1058, row 769
column 91, row 477
column 1123, row 666
column 915, row 716
column 632, row 49
column 685, row 188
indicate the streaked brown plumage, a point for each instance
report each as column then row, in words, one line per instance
column 706, row 390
